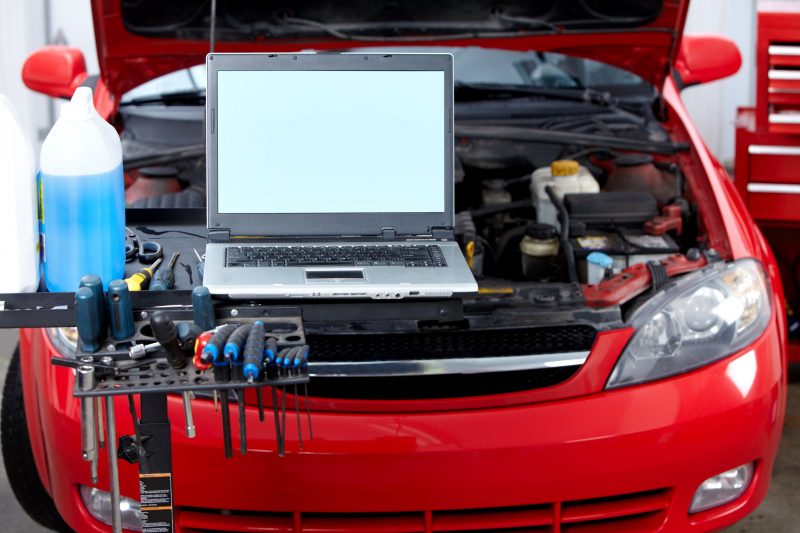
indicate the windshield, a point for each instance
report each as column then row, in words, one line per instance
column 473, row 65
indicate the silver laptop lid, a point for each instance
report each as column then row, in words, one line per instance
column 329, row 144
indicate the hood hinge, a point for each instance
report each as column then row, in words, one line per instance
column 389, row 234
column 219, row 235
column 442, row 232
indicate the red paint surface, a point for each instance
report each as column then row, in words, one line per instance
column 536, row 457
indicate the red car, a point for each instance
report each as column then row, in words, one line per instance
column 648, row 397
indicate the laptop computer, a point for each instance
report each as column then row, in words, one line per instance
column 331, row 176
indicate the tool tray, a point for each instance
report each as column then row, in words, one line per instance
column 184, row 230
column 152, row 373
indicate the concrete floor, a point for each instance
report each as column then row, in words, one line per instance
column 778, row 513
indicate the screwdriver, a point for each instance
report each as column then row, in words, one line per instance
column 188, row 332
column 164, row 278
column 120, row 311
column 166, row 334
column 270, row 369
column 295, row 370
column 199, row 345
column 280, row 427
column 202, row 308
column 88, row 319
column 304, row 371
column 233, row 352
column 96, row 285
column 254, row 361
column 213, row 350
column 86, row 382
column 222, row 374
column 284, row 362
column 141, row 279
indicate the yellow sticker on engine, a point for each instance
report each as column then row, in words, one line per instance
column 594, row 242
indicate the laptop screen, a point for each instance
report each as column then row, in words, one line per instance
column 331, row 141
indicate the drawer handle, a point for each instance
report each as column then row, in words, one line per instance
column 760, row 149
column 776, row 188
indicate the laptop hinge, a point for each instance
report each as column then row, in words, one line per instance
column 219, row 235
column 389, row 234
column 442, row 232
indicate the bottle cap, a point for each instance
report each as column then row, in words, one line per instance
column 564, row 167
column 81, row 107
column 541, row 232
column 600, row 259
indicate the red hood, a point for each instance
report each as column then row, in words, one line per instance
column 128, row 60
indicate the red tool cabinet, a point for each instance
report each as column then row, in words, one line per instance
column 768, row 143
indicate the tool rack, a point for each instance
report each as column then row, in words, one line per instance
column 115, row 373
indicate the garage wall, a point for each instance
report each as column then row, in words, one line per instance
column 21, row 32
column 713, row 106
column 26, row 25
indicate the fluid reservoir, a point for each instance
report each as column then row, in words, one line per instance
column 637, row 172
column 19, row 239
column 539, row 249
column 83, row 197
column 565, row 176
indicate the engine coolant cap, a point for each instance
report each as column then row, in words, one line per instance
column 81, row 107
column 564, row 167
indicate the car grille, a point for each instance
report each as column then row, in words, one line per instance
column 640, row 512
column 442, row 345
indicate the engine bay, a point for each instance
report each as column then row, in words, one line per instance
column 552, row 215
column 626, row 195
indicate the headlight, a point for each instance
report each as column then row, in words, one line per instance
column 98, row 503
column 722, row 488
column 65, row 340
column 700, row 319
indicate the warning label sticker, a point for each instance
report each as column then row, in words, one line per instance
column 156, row 495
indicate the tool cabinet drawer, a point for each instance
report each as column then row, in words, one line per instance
column 774, row 164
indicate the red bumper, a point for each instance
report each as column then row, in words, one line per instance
column 627, row 460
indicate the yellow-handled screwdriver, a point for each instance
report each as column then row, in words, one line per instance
column 141, row 279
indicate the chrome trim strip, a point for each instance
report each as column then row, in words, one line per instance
column 777, row 118
column 783, row 50
column 782, row 188
column 760, row 149
column 433, row 367
column 789, row 75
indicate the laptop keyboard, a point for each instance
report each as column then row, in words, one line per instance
column 279, row 256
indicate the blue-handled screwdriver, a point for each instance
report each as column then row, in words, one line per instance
column 304, row 371
column 254, row 361
column 213, row 353
column 234, row 349
column 294, row 369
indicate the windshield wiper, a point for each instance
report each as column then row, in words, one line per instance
column 502, row 90
column 191, row 97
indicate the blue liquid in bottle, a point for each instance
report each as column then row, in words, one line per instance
column 83, row 226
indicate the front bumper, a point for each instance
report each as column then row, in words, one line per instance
column 623, row 460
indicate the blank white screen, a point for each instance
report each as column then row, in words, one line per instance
column 330, row 141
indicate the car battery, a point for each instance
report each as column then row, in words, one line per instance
column 613, row 223
column 626, row 247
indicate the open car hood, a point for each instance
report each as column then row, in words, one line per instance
column 138, row 40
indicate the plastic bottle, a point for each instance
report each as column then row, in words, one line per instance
column 83, row 197
column 19, row 238
column 539, row 249
column 565, row 176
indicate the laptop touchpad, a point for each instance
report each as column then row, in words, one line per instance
column 337, row 276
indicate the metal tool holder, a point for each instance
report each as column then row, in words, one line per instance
column 111, row 372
